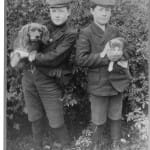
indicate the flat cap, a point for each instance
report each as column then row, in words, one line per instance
column 104, row 2
column 58, row 3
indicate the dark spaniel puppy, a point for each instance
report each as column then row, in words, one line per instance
column 30, row 38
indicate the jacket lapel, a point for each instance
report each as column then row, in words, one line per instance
column 58, row 33
column 109, row 34
column 97, row 30
column 104, row 36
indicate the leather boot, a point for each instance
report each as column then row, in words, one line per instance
column 62, row 136
column 97, row 139
column 115, row 132
column 115, row 145
column 37, row 131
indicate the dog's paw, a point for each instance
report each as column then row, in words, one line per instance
column 32, row 56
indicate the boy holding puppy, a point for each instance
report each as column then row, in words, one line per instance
column 108, row 73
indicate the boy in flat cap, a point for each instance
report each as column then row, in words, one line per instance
column 41, row 89
column 105, row 87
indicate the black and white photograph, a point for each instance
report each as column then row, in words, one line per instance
column 77, row 74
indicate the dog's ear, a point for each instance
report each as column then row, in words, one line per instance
column 45, row 34
column 121, row 39
column 124, row 42
column 22, row 38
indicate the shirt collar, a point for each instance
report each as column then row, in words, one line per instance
column 57, row 31
column 100, row 26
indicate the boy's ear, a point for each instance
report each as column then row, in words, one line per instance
column 69, row 11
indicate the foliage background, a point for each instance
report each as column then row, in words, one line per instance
column 130, row 16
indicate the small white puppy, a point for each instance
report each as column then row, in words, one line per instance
column 114, row 51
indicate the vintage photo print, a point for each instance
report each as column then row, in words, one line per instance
column 77, row 74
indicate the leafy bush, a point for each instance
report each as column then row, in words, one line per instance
column 129, row 17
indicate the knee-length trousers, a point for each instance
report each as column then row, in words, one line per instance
column 42, row 96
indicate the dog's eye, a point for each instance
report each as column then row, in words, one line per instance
column 39, row 30
column 32, row 29
column 35, row 30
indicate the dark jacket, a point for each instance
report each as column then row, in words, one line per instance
column 91, row 42
column 54, row 60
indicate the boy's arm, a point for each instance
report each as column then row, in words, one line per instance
column 84, row 57
column 56, row 56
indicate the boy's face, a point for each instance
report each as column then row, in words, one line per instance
column 101, row 14
column 59, row 15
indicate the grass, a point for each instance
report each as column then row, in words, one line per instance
column 81, row 137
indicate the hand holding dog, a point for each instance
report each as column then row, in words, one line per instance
column 104, row 52
column 15, row 58
column 112, row 55
column 32, row 56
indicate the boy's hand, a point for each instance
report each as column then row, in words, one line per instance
column 104, row 52
column 23, row 52
column 14, row 59
column 32, row 56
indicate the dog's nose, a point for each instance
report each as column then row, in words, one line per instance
column 37, row 37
